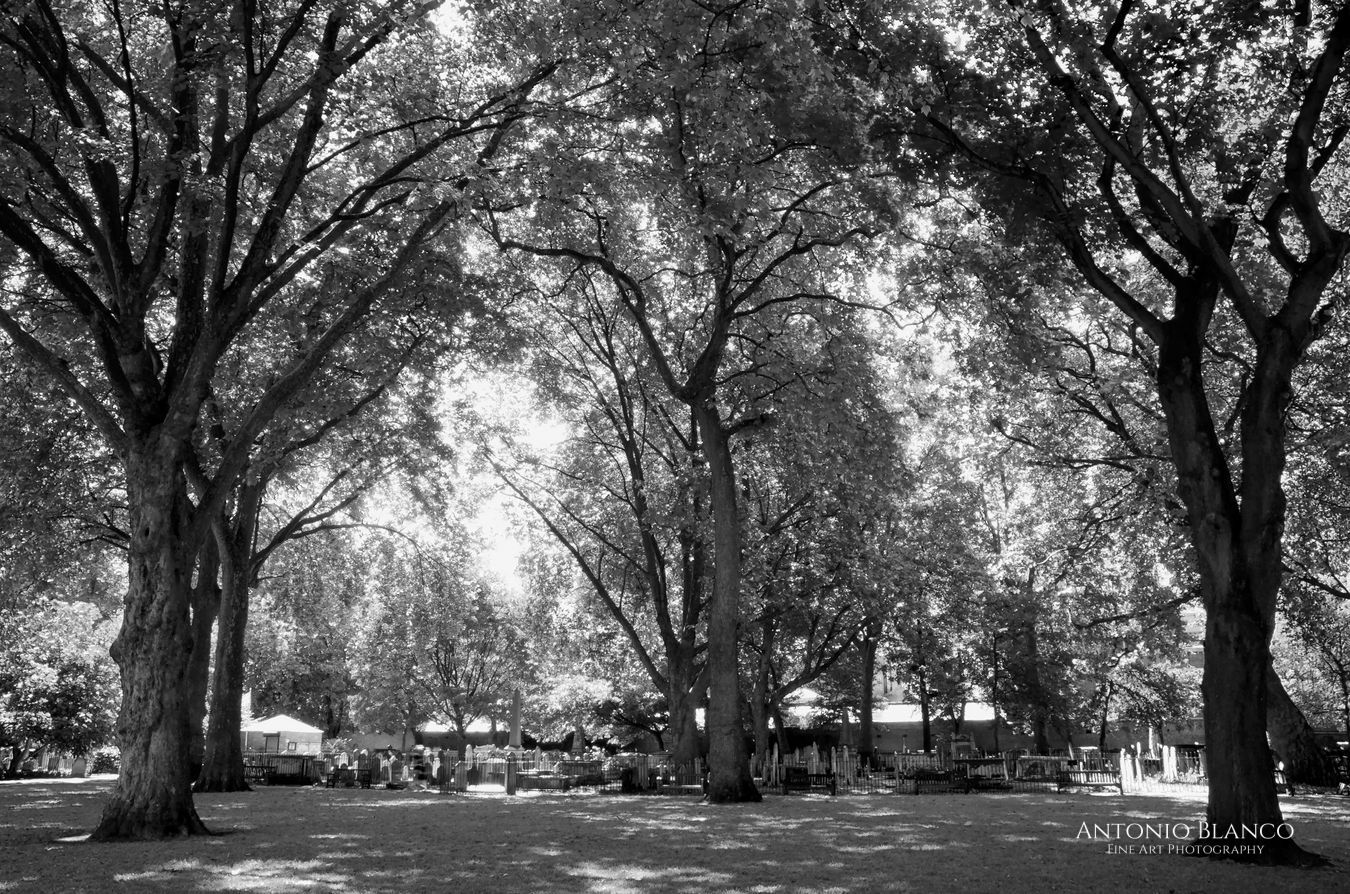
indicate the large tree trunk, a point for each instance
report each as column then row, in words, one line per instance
column 16, row 756
column 1241, row 782
column 866, row 735
column 1040, row 710
column 759, row 698
column 1239, row 551
column 205, row 606
column 1103, row 724
column 1292, row 738
column 926, row 712
column 729, row 770
column 683, row 698
column 153, row 794
column 223, row 770
column 334, row 715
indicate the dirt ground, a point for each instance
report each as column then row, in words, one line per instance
column 314, row 839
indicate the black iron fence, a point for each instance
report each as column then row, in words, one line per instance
column 838, row 771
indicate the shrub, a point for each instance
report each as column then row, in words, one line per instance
column 105, row 760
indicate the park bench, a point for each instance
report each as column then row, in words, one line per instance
column 1074, row 778
column 799, row 779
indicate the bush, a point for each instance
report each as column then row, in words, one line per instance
column 105, row 760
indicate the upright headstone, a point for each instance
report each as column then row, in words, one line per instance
column 510, row 774
column 443, row 770
column 79, row 769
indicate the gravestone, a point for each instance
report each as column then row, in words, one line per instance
column 79, row 769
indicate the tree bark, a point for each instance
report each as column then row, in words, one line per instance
column 729, row 777
column 926, row 712
column 223, row 770
column 1103, row 726
column 866, row 734
column 759, row 698
column 1238, row 547
column 1292, row 738
column 153, row 794
column 205, row 607
column 684, row 741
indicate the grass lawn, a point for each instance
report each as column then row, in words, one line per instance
column 314, row 839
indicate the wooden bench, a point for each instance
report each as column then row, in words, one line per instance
column 1067, row 779
column 799, row 779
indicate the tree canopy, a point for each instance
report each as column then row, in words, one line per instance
column 984, row 345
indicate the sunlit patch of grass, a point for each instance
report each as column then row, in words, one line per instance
column 243, row 876
column 339, row 836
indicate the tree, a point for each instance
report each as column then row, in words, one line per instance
column 301, row 653
column 817, row 484
column 1176, row 157
column 60, row 506
column 57, row 687
column 714, row 202
column 475, row 657
column 309, row 446
column 201, row 168
column 626, row 499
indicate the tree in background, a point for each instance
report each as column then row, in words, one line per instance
column 625, row 497
column 58, row 688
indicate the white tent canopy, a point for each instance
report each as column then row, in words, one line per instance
column 280, row 733
column 278, row 723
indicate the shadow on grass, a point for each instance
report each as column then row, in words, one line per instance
column 313, row 839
